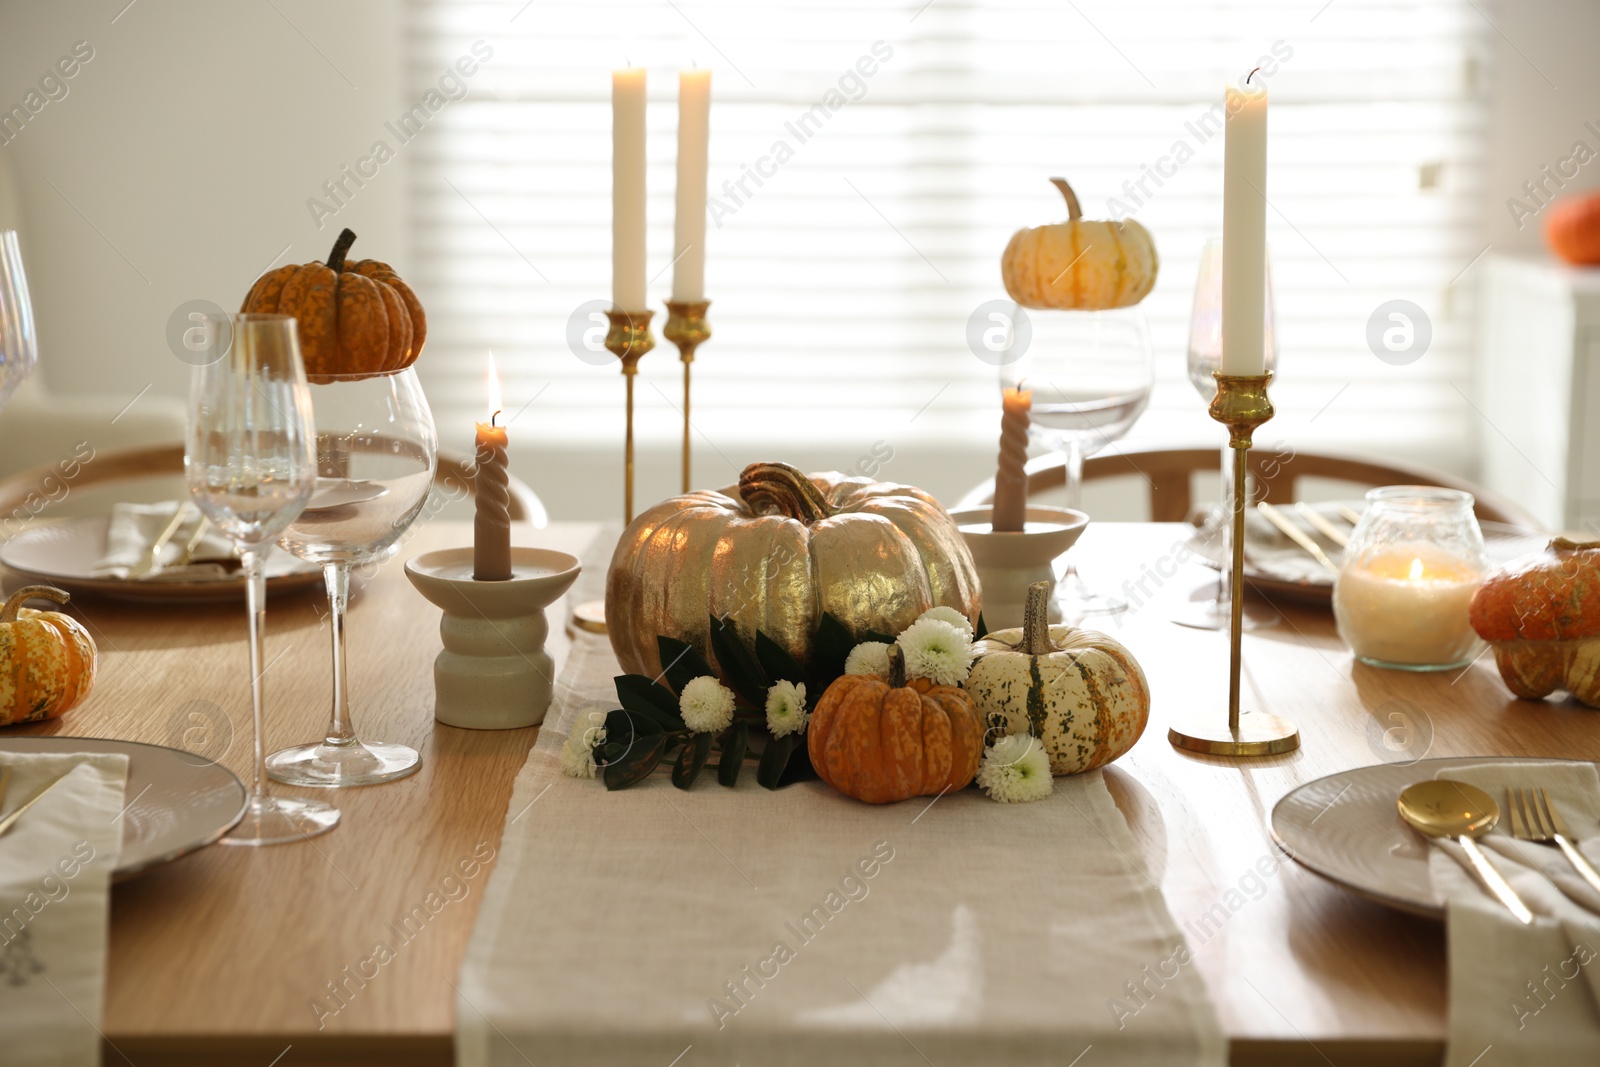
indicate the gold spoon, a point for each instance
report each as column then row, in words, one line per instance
column 1442, row 807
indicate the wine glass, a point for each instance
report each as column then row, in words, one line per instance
column 1210, row 611
column 250, row 464
column 19, row 347
column 376, row 454
column 1091, row 373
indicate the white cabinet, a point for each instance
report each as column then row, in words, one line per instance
column 1537, row 388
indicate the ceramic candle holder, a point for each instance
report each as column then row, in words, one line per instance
column 494, row 672
column 1010, row 562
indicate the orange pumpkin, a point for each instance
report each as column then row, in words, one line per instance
column 354, row 317
column 47, row 659
column 1572, row 229
column 882, row 742
column 1541, row 615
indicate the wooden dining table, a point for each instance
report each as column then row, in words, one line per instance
column 244, row 955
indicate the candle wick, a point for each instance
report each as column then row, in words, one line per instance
column 496, row 415
column 1252, row 74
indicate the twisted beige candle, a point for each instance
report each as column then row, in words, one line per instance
column 1010, row 509
column 491, row 529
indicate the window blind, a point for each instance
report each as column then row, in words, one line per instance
column 843, row 271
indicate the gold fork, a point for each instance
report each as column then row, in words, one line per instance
column 1535, row 818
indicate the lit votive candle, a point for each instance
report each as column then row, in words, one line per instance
column 1405, row 605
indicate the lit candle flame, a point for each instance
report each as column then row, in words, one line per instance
column 494, row 390
column 1416, row 570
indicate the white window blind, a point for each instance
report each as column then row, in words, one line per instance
column 842, row 281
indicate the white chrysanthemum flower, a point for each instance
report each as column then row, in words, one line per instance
column 577, row 752
column 951, row 616
column 786, row 709
column 869, row 657
column 1016, row 769
column 937, row 651
column 706, row 704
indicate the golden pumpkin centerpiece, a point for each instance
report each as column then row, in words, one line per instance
column 1080, row 264
column 353, row 316
column 774, row 554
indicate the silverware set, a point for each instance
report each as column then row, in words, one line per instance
column 151, row 561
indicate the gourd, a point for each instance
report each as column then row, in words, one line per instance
column 355, row 318
column 47, row 659
column 1080, row 692
column 777, row 552
column 1572, row 228
column 1541, row 615
column 1080, row 264
column 882, row 742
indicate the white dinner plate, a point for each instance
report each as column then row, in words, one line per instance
column 64, row 554
column 178, row 802
column 1347, row 828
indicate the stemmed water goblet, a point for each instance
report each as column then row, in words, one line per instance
column 376, row 454
column 250, row 466
column 19, row 347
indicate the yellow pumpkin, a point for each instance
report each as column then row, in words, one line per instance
column 882, row 742
column 776, row 553
column 1080, row 264
column 1079, row 692
column 47, row 659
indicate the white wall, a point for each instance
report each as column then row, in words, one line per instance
column 187, row 147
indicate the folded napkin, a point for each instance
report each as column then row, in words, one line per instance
column 55, row 894
column 1530, row 991
column 134, row 528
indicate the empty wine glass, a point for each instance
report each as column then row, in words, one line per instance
column 250, row 464
column 1210, row 610
column 376, row 453
column 19, row 347
column 1091, row 373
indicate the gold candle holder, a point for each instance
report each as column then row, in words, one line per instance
column 1241, row 405
column 686, row 327
column 628, row 338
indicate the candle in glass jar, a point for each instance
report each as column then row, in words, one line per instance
column 491, row 527
column 1011, row 479
column 1407, row 605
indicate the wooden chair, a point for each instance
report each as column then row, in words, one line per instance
column 34, row 492
column 1170, row 473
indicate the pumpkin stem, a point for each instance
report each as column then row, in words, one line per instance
column 1073, row 210
column 341, row 248
column 897, row 667
column 1567, row 545
column 781, row 488
column 14, row 602
column 1036, row 621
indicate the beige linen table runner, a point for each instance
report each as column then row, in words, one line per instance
column 654, row 926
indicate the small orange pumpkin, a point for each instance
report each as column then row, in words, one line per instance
column 47, row 659
column 1572, row 229
column 882, row 742
column 354, row 318
column 1541, row 615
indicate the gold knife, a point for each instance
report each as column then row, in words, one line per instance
column 151, row 562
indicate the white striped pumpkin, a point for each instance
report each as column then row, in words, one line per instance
column 1080, row 692
column 1080, row 264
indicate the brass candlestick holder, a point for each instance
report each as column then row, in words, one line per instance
column 1241, row 405
column 629, row 339
column 686, row 327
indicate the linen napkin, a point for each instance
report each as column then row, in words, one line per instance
column 134, row 528
column 1531, row 992
column 55, row 894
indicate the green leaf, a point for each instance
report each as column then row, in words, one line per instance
column 775, row 758
column 739, row 667
column 691, row 760
column 681, row 662
column 649, row 699
column 636, row 766
column 831, row 647
column 619, row 728
column 982, row 629
column 799, row 767
column 778, row 662
column 873, row 635
column 733, row 750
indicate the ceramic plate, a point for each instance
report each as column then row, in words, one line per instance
column 1346, row 828
column 178, row 802
column 64, row 553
